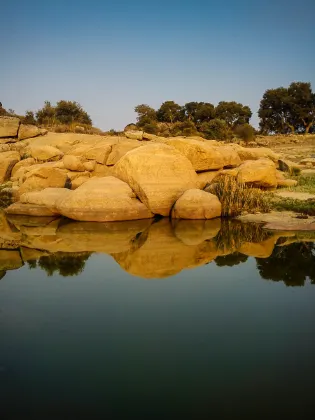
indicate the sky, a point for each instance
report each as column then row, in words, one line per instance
column 113, row 55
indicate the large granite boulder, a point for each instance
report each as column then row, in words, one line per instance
column 49, row 197
column 120, row 149
column 25, row 163
column 27, row 131
column 260, row 173
column 134, row 135
column 29, row 210
column 9, row 126
column 248, row 153
column 103, row 200
column 44, row 177
column 7, row 162
column 44, row 153
column 196, row 204
column 159, row 174
column 202, row 156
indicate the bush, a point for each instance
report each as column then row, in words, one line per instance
column 151, row 128
column 245, row 132
column 216, row 130
column 185, row 128
column 236, row 198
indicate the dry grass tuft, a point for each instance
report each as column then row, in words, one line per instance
column 237, row 198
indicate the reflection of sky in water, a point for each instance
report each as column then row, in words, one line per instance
column 214, row 338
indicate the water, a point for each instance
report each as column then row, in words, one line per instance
column 186, row 321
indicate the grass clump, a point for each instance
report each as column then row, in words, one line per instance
column 237, row 198
column 305, row 184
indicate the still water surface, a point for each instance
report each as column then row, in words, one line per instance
column 177, row 326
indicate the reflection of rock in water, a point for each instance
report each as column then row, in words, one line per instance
column 163, row 254
column 2, row 274
column 10, row 260
column 144, row 248
column 291, row 264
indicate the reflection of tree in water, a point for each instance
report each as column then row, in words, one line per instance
column 233, row 234
column 290, row 264
column 63, row 263
column 231, row 260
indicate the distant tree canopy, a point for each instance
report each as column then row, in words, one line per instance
column 193, row 118
column 65, row 112
column 284, row 110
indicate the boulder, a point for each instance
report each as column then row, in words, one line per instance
column 120, row 149
column 8, row 140
column 103, row 200
column 44, row 177
column 80, row 180
column 29, row 210
column 197, row 204
column 102, row 171
column 45, row 153
column 9, row 126
column 202, row 156
column 134, row 135
column 230, row 156
column 25, row 163
column 288, row 166
column 248, row 153
column 27, row 131
column 99, row 151
column 207, row 177
column 74, row 163
column 49, row 197
column 159, row 174
column 7, row 161
column 260, row 173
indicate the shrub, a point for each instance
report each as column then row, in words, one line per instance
column 216, row 130
column 151, row 128
column 236, row 198
column 245, row 132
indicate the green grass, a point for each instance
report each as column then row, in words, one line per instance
column 298, row 206
column 305, row 184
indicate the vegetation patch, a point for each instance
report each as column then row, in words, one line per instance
column 237, row 198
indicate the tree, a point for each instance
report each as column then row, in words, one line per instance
column 275, row 112
column 233, row 113
column 283, row 110
column 302, row 105
column 198, row 112
column 146, row 115
column 68, row 112
column 29, row 118
column 46, row 115
column 169, row 112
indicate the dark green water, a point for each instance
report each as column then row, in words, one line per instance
column 230, row 338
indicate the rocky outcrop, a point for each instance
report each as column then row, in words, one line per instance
column 134, row 135
column 49, row 197
column 7, row 162
column 261, row 173
column 249, row 153
column 158, row 174
column 9, row 126
column 103, row 200
column 29, row 210
column 202, row 156
column 43, row 177
column 196, row 204
column 27, row 131
column 44, row 153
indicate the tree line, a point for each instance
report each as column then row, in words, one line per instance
column 282, row 111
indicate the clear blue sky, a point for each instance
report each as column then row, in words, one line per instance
column 113, row 55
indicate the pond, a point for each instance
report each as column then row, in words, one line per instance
column 155, row 320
